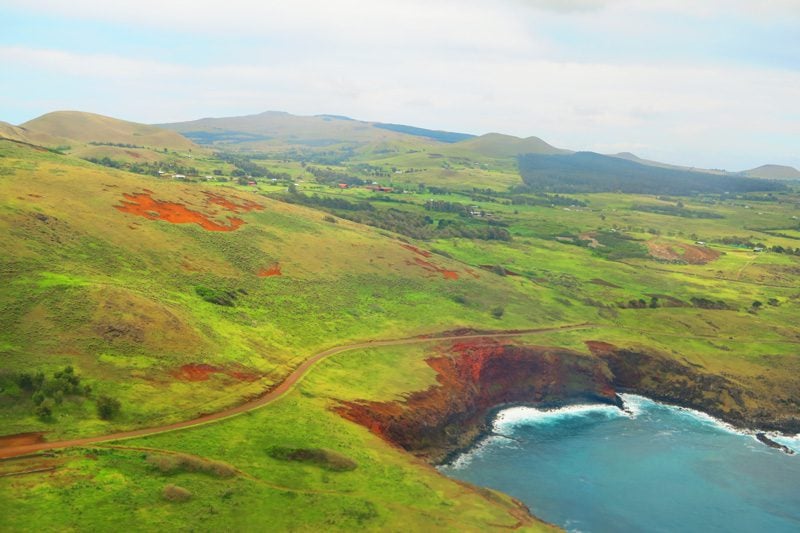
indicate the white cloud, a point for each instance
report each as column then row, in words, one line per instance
column 687, row 111
column 462, row 65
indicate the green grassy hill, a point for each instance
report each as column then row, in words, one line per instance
column 499, row 146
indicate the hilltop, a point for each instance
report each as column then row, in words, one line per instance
column 92, row 128
column 499, row 146
column 773, row 172
column 28, row 136
column 275, row 130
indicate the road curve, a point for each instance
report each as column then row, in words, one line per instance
column 273, row 394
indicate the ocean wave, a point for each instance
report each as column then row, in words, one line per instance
column 790, row 441
column 464, row 459
column 508, row 419
column 638, row 405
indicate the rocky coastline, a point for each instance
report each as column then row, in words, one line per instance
column 477, row 379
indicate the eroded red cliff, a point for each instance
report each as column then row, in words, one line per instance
column 473, row 379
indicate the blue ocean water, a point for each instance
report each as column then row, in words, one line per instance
column 654, row 468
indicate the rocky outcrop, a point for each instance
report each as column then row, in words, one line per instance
column 475, row 378
column 744, row 402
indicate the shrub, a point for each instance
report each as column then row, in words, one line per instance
column 174, row 493
column 107, row 407
column 173, row 464
column 45, row 409
column 216, row 296
column 327, row 459
column 328, row 218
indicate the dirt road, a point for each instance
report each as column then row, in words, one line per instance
column 271, row 395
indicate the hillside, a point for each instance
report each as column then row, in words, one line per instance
column 773, row 172
column 92, row 128
column 334, row 342
column 497, row 145
column 21, row 134
column 591, row 172
column 274, row 130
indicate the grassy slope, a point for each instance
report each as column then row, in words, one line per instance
column 114, row 294
column 68, row 277
column 387, row 490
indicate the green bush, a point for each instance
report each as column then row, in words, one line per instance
column 107, row 407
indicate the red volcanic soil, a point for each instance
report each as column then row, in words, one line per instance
column 473, row 378
column 242, row 207
column 423, row 253
column 273, row 270
column 21, row 439
column 196, row 372
column 430, row 267
column 142, row 204
column 202, row 372
column 687, row 253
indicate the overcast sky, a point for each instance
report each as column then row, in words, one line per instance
column 713, row 83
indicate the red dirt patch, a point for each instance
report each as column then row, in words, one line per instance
column 600, row 347
column 273, row 270
column 430, row 267
column 196, row 372
column 423, row 253
column 685, row 253
column 143, row 205
column 450, row 274
column 202, row 372
column 242, row 207
column 21, row 439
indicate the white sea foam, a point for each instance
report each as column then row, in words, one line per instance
column 639, row 404
column 790, row 441
column 494, row 441
column 508, row 419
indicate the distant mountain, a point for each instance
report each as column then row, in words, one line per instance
column 498, row 145
column 436, row 135
column 84, row 127
column 773, row 172
column 636, row 159
column 276, row 129
column 590, row 172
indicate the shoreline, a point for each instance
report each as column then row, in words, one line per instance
column 763, row 437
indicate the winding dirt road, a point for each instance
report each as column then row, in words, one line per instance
column 273, row 394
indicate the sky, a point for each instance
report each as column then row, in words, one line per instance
column 711, row 83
